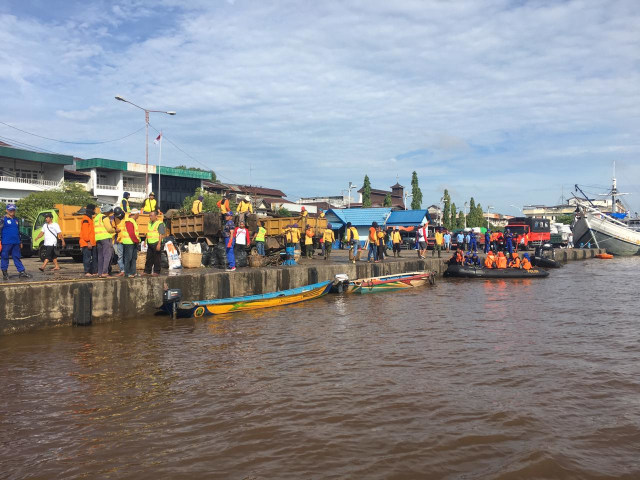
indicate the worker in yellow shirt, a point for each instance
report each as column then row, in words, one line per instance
column 328, row 238
column 303, row 212
column 150, row 204
column 353, row 239
column 244, row 207
column 196, row 208
column 438, row 243
column 321, row 214
column 308, row 242
column 396, row 239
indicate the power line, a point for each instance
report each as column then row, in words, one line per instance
column 18, row 143
column 73, row 143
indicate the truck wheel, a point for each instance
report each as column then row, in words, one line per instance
column 42, row 252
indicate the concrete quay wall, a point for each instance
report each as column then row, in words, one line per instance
column 33, row 305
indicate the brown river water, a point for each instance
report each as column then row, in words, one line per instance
column 464, row 380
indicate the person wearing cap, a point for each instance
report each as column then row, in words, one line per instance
column 244, row 207
column 150, row 204
column 155, row 233
column 52, row 233
column 104, row 231
column 526, row 262
column 260, row 239
column 130, row 242
column 125, row 202
column 88, row 242
column 196, row 207
column 10, row 244
column 303, row 212
column 296, row 234
column 229, row 241
column 328, row 238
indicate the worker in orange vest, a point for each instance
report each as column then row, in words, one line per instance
column 501, row 261
column 514, row 261
column 526, row 263
column 490, row 260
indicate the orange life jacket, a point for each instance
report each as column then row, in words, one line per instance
column 489, row 262
column 515, row 261
column 501, row 261
column 526, row 264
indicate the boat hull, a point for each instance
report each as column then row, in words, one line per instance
column 464, row 271
column 544, row 262
column 207, row 308
column 616, row 239
column 390, row 283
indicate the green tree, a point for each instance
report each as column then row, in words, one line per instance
column 387, row 200
column 460, row 222
column 366, row 192
column 68, row 193
column 446, row 210
column 453, row 219
column 213, row 174
column 208, row 203
column 416, row 200
column 283, row 212
column 566, row 219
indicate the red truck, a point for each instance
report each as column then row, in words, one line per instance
column 529, row 231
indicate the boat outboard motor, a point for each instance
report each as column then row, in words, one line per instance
column 171, row 297
column 340, row 283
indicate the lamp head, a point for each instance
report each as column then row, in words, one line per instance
column 171, row 113
column 121, row 98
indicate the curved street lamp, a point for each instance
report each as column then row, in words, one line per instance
column 146, row 121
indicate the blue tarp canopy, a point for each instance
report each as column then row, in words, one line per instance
column 408, row 218
column 359, row 217
column 619, row 216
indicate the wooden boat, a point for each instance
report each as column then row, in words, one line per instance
column 386, row 283
column 206, row 308
column 607, row 256
column 464, row 271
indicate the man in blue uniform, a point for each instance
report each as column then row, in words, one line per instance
column 10, row 243
column 473, row 242
column 509, row 238
column 487, row 241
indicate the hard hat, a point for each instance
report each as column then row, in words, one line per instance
column 151, row 193
column 134, row 211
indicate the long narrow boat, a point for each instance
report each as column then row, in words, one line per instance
column 387, row 283
column 466, row 271
column 206, row 308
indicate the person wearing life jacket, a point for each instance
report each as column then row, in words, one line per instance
column 501, row 261
column 229, row 241
column 260, row 239
column 526, row 262
column 353, row 239
column 328, row 237
column 490, row 260
column 150, row 204
column 155, row 233
column 308, row 242
column 514, row 261
column 125, row 202
column 104, row 240
column 10, row 243
column 130, row 242
column 88, row 242
column 196, row 206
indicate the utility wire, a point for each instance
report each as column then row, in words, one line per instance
column 73, row 143
column 17, row 143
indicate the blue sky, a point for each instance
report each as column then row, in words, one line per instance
column 509, row 102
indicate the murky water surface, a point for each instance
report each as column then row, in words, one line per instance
column 469, row 379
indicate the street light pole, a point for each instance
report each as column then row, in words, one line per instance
column 489, row 208
column 465, row 214
column 406, row 195
column 351, row 187
column 146, row 121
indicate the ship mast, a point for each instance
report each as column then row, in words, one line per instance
column 614, row 190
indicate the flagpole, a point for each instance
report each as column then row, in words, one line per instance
column 159, row 164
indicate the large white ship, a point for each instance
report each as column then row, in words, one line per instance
column 592, row 226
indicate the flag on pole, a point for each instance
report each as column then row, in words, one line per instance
column 158, row 139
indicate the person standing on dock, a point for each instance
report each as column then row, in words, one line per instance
column 260, row 239
column 130, row 241
column 308, row 242
column 88, row 242
column 447, row 241
column 467, row 241
column 10, row 243
column 353, row 240
column 460, row 240
column 396, row 239
column 509, row 241
column 328, row 238
column 473, row 241
column 373, row 242
column 155, row 234
column 52, row 233
column 487, row 241
column 229, row 242
column 104, row 241
column 381, row 243
column 118, row 224
column 124, row 203
column 423, row 234
column 437, row 245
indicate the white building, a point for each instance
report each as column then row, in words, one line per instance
column 23, row 172
column 337, row 201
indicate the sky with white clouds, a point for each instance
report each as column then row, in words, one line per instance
column 511, row 102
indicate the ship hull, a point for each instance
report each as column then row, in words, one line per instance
column 616, row 239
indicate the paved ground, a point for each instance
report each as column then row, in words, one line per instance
column 71, row 270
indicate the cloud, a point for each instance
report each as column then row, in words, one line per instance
column 468, row 93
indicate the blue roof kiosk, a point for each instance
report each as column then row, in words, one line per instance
column 361, row 218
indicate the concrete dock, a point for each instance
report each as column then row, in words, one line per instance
column 64, row 301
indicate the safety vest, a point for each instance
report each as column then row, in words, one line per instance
column 126, row 239
column 261, row 233
column 98, row 226
column 125, row 205
column 489, row 261
column 526, row 264
column 223, row 205
column 149, row 205
column 153, row 236
column 352, row 234
column 304, row 213
column 308, row 237
column 196, row 208
column 295, row 235
column 515, row 262
column 501, row 261
column 439, row 238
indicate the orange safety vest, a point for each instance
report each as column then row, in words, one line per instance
column 501, row 261
column 526, row 264
column 489, row 261
column 515, row 261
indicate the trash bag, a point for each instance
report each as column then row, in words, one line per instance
column 242, row 257
column 207, row 254
column 220, row 256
